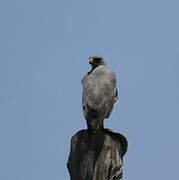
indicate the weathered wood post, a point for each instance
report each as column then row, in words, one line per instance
column 97, row 156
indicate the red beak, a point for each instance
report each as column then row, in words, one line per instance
column 91, row 61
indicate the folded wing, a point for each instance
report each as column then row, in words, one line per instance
column 99, row 93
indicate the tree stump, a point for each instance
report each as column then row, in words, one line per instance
column 97, row 156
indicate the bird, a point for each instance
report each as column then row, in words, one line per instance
column 99, row 95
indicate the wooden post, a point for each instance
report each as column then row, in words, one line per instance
column 97, row 156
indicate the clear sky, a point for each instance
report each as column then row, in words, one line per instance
column 45, row 47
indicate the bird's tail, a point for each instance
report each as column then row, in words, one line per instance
column 94, row 121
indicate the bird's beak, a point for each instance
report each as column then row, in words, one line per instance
column 91, row 61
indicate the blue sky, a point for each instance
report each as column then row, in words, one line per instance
column 45, row 47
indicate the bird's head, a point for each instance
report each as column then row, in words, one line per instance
column 96, row 61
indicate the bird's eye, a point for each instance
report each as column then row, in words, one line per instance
column 97, row 59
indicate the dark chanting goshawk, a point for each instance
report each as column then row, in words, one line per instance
column 99, row 93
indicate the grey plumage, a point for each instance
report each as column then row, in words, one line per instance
column 99, row 93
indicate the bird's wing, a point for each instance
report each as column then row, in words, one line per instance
column 99, row 91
